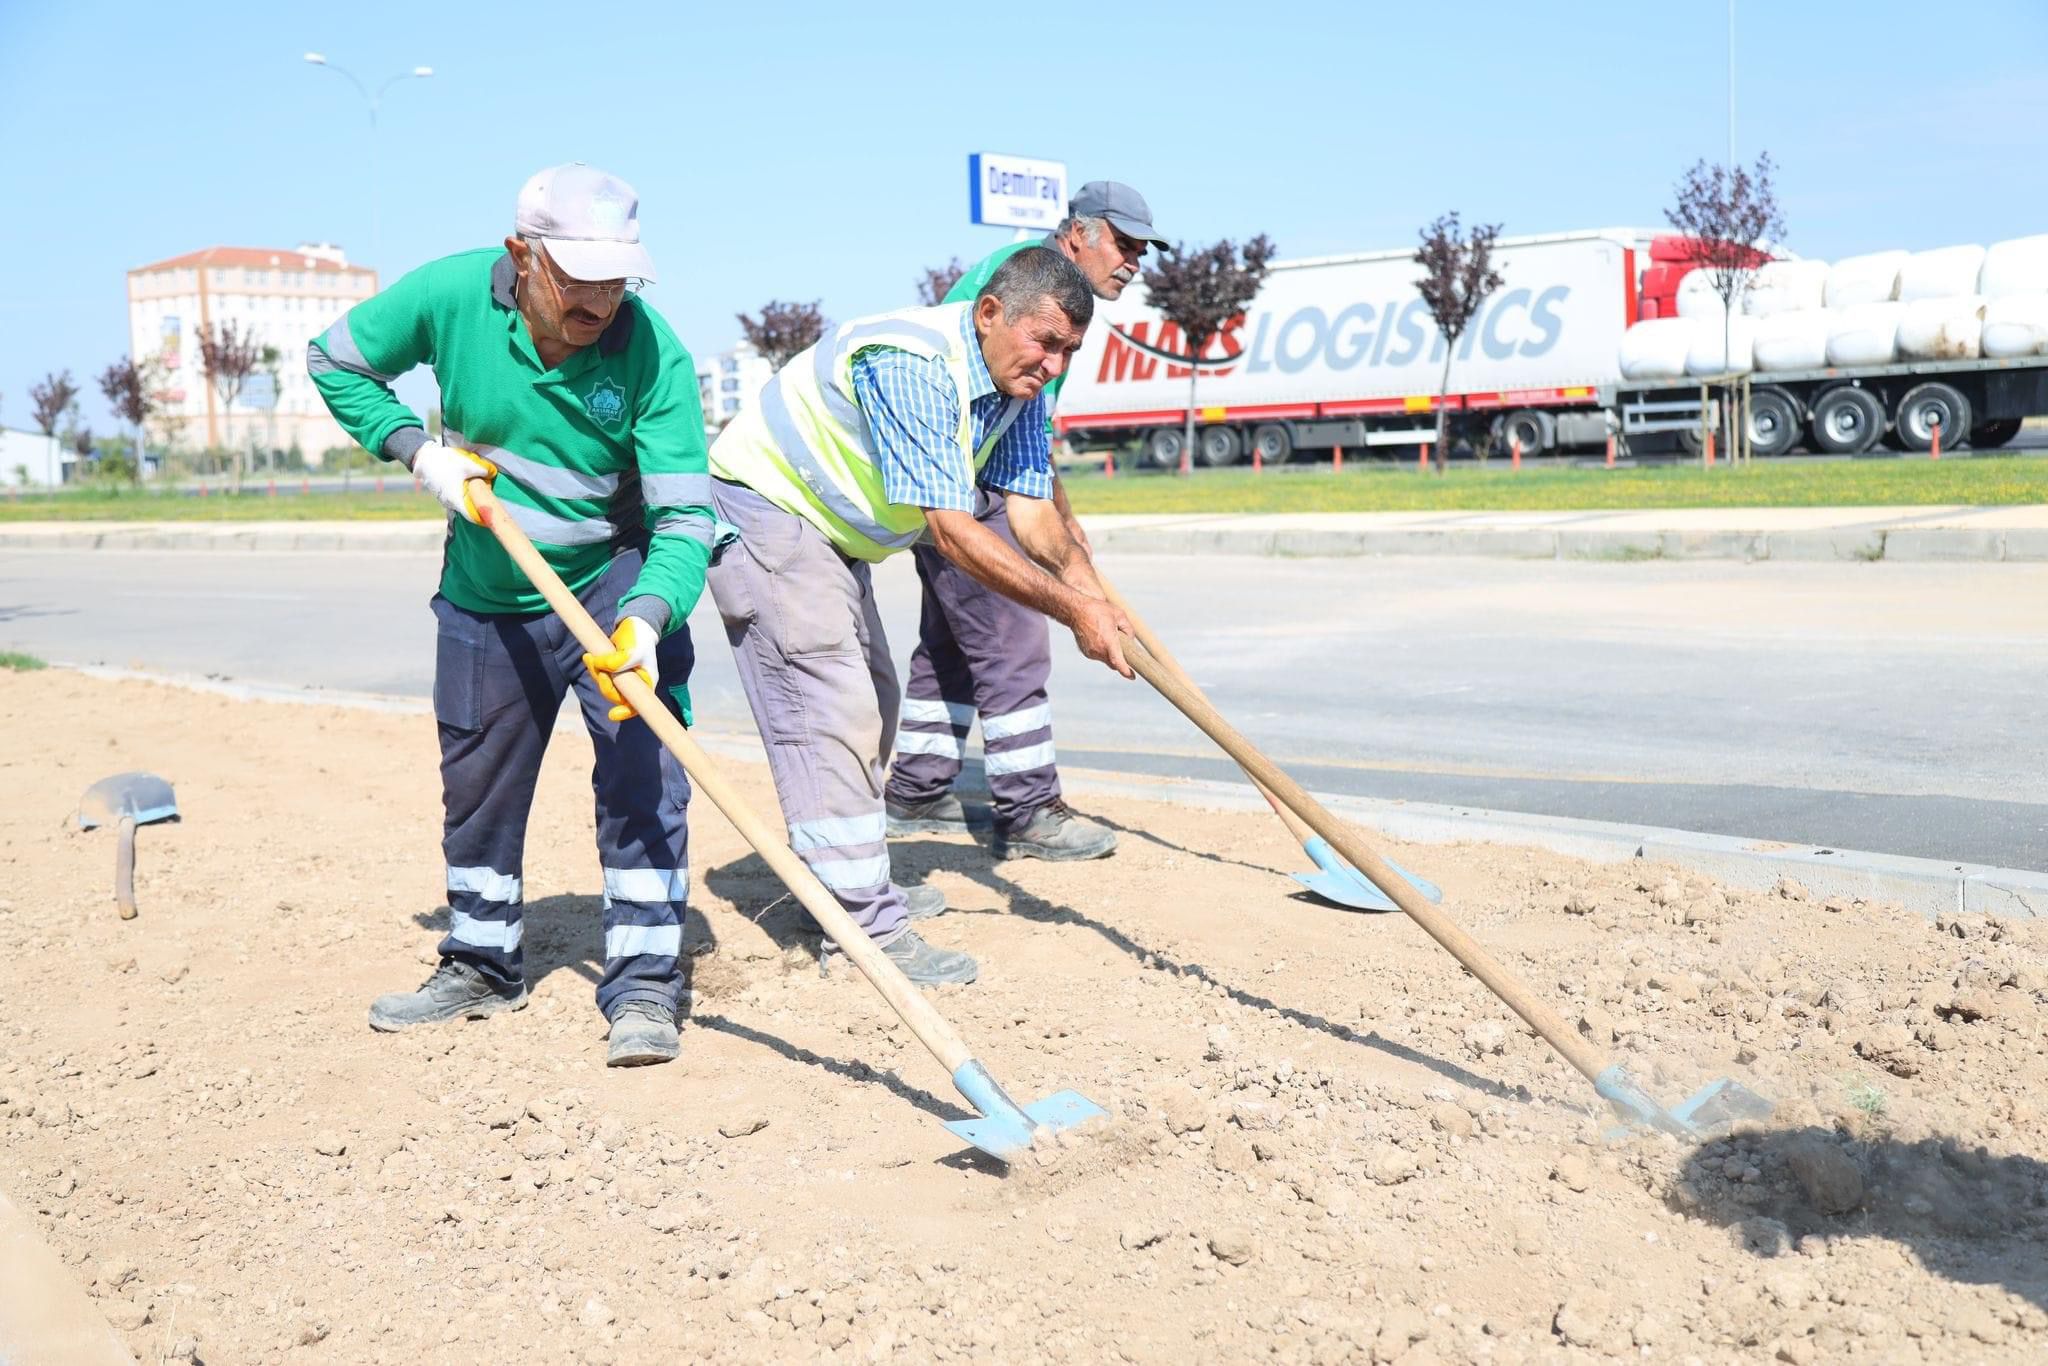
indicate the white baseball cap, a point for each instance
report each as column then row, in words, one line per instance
column 590, row 221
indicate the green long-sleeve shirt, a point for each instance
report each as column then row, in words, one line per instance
column 594, row 455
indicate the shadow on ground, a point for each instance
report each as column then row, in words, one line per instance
column 753, row 887
column 1970, row 1215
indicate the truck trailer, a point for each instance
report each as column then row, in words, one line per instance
column 1340, row 353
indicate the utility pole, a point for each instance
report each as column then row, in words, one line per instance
column 1731, row 85
column 375, row 101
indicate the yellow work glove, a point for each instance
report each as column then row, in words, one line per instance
column 445, row 472
column 633, row 641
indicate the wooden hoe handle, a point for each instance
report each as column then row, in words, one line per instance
column 1302, row 834
column 1346, row 842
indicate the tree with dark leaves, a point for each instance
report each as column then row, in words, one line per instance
column 1201, row 291
column 1731, row 214
column 128, row 388
column 52, row 397
column 1457, row 278
column 229, row 355
column 784, row 329
column 938, row 282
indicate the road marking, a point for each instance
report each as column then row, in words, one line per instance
column 188, row 594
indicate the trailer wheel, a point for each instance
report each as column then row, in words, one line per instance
column 1218, row 446
column 1988, row 436
column 1773, row 421
column 1162, row 446
column 1847, row 420
column 1927, row 405
column 1274, row 443
column 1532, row 429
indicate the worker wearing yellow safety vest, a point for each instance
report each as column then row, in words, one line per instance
column 878, row 435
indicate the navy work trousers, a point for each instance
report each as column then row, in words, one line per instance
column 978, row 653
column 499, row 681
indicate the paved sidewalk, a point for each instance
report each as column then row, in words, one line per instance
column 1886, row 533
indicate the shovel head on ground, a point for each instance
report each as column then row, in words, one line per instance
column 125, row 801
column 1342, row 885
column 1006, row 1130
column 1709, row 1112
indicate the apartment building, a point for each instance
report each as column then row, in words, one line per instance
column 281, row 297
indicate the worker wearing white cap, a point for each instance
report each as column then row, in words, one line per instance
column 576, row 400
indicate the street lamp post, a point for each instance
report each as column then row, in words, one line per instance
column 374, row 100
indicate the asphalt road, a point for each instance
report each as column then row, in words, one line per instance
column 1887, row 707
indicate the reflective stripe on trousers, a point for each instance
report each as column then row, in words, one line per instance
column 815, row 667
column 978, row 652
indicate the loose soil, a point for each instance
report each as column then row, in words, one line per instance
column 1327, row 1143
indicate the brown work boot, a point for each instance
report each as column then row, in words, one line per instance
column 1055, row 832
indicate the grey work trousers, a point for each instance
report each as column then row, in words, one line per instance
column 815, row 666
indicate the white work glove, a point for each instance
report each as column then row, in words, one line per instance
column 445, row 472
column 633, row 642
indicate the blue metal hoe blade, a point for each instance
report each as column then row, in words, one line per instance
column 1712, row 1110
column 1005, row 1129
column 1721, row 1105
column 1342, row 885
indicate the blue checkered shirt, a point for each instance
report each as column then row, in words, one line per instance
column 913, row 416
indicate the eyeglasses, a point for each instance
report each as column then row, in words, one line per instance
column 600, row 289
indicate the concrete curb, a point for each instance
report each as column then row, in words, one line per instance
column 400, row 537
column 1830, row 534
column 1929, row 887
column 1911, row 544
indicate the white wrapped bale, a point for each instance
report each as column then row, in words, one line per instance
column 1943, row 273
column 2016, row 325
column 1707, row 356
column 1657, row 349
column 2019, row 266
column 1942, row 329
column 1786, row 287
column 1865, row 335
column 1696, row 296
column 1871, row 279
column 1791, row 341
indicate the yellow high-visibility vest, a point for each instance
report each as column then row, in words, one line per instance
column 804, row 444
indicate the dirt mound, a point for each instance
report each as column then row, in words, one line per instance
column 1325, row 1144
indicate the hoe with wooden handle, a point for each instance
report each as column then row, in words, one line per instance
column 1714, row 1108
column 1005, row 1129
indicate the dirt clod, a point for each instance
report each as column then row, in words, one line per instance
column 1232, row 1245
column 1830, row 1180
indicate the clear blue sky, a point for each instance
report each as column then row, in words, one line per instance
column 810, row 150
